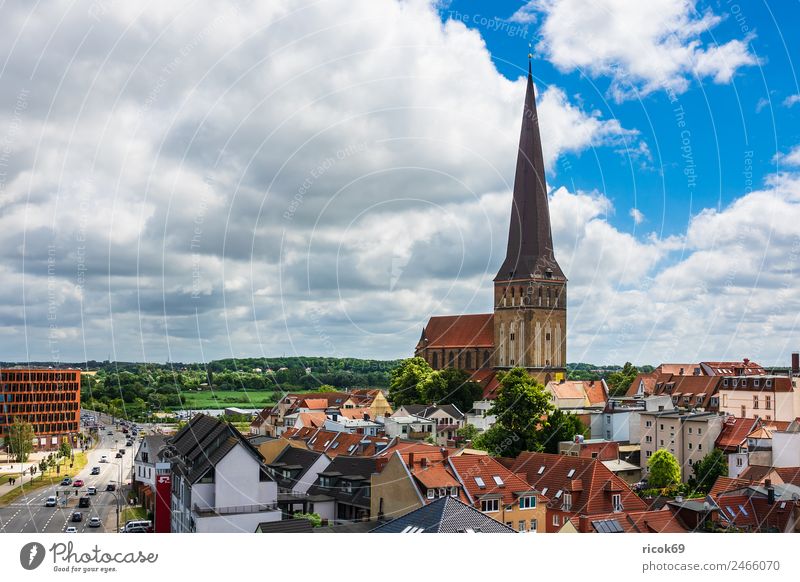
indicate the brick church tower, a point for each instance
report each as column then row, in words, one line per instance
column 530, row 290
column 528, row 327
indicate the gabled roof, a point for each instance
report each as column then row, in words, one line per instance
column 444, row 515
column 458, row 331
column 742, row 368
column 648, row 521
column 482, row 476
column 428, row 410
column 589, row 481
column 355, row 471
column 735, row 432
column 590, row 392
column 649, row 382
column 724, row 484
column 756, row 513
column 299, row 460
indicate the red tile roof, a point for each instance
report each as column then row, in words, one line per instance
column 487, row 378
column 756, row 513
column 723, row 484
column 649, row 381
column 742, row 368
column 459, row 331
column 590, row 482
column 734, row 432
column 648, row 521
column 484, row 467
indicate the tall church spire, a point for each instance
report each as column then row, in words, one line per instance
column 530, row 240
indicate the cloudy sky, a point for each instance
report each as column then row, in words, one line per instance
column 194, row 180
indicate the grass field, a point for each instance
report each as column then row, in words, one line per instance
column 223, row 399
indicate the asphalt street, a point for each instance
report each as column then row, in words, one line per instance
column 28, row 513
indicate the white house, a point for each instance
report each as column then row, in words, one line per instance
column 409, row 427
column 786, row 446
column 219, row 481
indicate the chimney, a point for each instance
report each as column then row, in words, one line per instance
column 770, row 492
column 445, row 452
column 583, row 524
column 410, row 459
column 796, row 363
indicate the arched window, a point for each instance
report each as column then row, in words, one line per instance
column 485, row 358
column 468, row 359
column 451, row 359
column 435, row 365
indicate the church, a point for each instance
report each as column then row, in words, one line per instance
column 528, row 326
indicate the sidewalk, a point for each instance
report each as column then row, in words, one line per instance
column 33, row 461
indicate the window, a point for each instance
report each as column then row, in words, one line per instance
column 608, row 419
column 555, row 519
column 541, row 470
column 755, row 402
column 744, row 411
column 700, row 447
column 453, row 491
column 756, row 382
column 690, row 430
column 480, row 483
column 522, row 526
column 608, row 435
column 690, row 446
column 739, row 462
column 527, row 502
column 490, row 505
column 566, row 504
column 534, row 525
column 570, row 473
column 699, row 431
column 616, row 501
column 208, row 477
column 649, row 453
column 648, row 439
column 498, row 481
column 768, row 402
column 431, row 493
column 648, row 423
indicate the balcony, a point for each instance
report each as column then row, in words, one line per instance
column 233, row 510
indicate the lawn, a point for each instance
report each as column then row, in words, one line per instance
column 225, row 398
column 49, row 478
column 129, row 513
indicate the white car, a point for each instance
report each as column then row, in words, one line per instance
column 71, row 529
column 51, row 501
column 104, row 459
column 94, row 522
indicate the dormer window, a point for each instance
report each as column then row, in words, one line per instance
column 616, row 501
column 431, row 493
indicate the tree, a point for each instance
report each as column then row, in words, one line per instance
column 64, row 449
column 663, row 470
column 561, row 427
column 20, row 440
column 451, row 386
column 707, row 469
column 314, row 518
column 406, row 384
column 43, row 465
column 522, row 408
column 468, row 432
column 619, row 382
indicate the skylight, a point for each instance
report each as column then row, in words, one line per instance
column 558, row 494
column 544, row 491
column 730, row 510
column 479, row 481
column 335, row 445
column 412, row 529
column 498, row 480
column 743, row 510
column 541, row 470
column 350, row 448
column 571, row 473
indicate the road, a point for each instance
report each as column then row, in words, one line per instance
column 28, row 513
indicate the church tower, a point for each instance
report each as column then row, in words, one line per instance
column 530, row 290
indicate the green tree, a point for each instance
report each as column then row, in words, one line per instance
column 451, row 386
column 43, row 465
column 468, row 432
column 314, row 518
column 562, row 426
column 64, row 449
column 20, row 440
column 407, row 380
column 522, row 408
column 707, row 469
column 663, row 470
column 619, row 382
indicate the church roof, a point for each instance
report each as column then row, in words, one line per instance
column 459, row 331
column 530, row 240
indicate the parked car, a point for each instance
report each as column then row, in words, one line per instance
column 77, row 516
column 51, row 501
column 66, row 481
column 91, row 491
column 71, row 529
column 77, row 483
column 95, row 470
column 84, row 502
column 94, row 522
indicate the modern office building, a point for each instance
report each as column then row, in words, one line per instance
column 50, row 400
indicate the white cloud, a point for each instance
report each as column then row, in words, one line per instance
column 790, row 159
column 791, row 100
column 637, row 215
column 642, row 46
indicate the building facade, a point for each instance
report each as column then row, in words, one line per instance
column 766, row 397
column 50, row 400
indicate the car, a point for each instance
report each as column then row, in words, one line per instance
column 129, row 444
column 51, row 501
column 118, row 455
column 94, row 522
column 121, row 451
column 111, row 432
column 111, row 487
column 91, row 491
column 84, row 502
column 71, row 529
column 77, row 483
column 66, row 481
column 104, row 459
column 95, row 470
column 77, row 516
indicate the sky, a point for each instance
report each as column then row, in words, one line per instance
column 188, row 181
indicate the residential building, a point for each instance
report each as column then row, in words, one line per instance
column 372, row 399
column 144, row 469
column 479, row 416
column 409, row 427
column 499, row 493
column 768, row 397
column 786, row 445
column 763, row 508
column 733, row 441
column 578, row 394
column 444, row 515
column 346, row 483
column 359, row 426
column 50, row 400
column 589, row 448
column 575, row 486
column 689, row 436
column 649, row 521
column 219, row 481
column 447, row 417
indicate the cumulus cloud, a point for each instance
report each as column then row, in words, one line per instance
column 636, row 215
column 641, row 46
column 790, row 159
column 791, row 100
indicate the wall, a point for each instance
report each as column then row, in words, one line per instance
column 236, row 523
column 395, row 487
column 785, row 449
column 237, row 481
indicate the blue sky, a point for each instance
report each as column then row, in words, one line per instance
column 726, row 121
column 320, row 177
